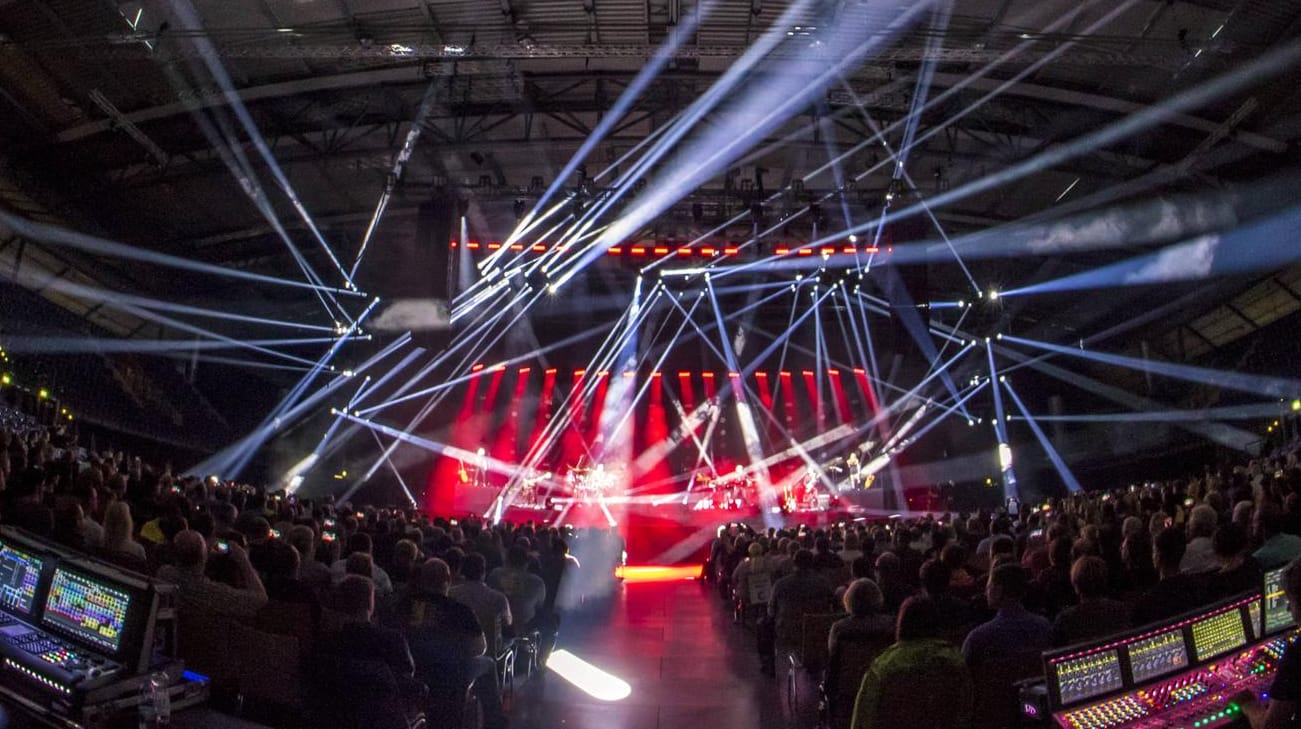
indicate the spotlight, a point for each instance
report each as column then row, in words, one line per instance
column 1296, row 404
column 7, row 379
column 853, row 238
column 43, row 393
column 993, row 294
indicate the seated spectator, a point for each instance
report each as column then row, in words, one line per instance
column 753, row 579
column 803, row 592
column 1199, row 554
column 1096, row 615
column 526, row 592
column 118, row 530
column 1013, row 629
column 918, row 647
column 1277, row 547
column 1175, row 592
column 1237, row 571
column 825, row 559
column 859, row 569
column 890, row 579
column 954, row 613
column 864, row 603
column 363, row 673
column 446, row 640
column 1053, row 591
column 491, row 608
column 197, row 592
column 313, row 573
column 360, row 543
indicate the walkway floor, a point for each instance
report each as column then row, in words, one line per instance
column 687, row 663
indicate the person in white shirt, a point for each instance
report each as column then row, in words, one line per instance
column 1200, row 553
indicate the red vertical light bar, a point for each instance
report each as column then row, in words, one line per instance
column 688, row 392
column 815, row 398
column 708, row 378
column 868, row 391
column 842, row 398
column 571, row 445
column 597, row 407
column 788, row 400
column 543, row 414
column 445, row 482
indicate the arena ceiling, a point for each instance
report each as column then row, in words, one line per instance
column 109, row 127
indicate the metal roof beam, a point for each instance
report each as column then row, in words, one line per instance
column 417, row 74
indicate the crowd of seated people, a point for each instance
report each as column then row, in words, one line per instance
column 396, row 614
column 990, row 591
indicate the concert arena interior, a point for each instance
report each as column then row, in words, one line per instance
column 623, row 364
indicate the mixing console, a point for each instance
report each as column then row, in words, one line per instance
column 1192, row 700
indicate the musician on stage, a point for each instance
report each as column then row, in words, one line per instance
column 1279, row 710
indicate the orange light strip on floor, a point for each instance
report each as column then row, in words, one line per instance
column 657, row 573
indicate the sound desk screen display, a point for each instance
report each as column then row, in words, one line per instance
column 1157, row 656
column 1218, row 635
column 87, row 609
column 19, row 574
column 1277, row 615
column 1088, row 676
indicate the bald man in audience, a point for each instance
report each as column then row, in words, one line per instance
column 196, row 591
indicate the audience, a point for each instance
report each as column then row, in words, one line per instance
column 428, row 602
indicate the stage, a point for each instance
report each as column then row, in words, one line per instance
column 665, row 531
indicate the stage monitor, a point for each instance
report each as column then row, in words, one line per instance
column 86, row 609
column 1157, row 656
column 1218, row 634
column 20, row 573
column 1277, row 614
column 1088, row 676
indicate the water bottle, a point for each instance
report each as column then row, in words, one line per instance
column 155, row 702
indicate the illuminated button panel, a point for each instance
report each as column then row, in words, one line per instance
column 1116, row 712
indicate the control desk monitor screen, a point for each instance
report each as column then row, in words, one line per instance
column 1088, row 676
column 1218, row 635
column 87, row 609
column 1157, row 656
column 20, row 573
column 1277, row 616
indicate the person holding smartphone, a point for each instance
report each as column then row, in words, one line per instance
column 198, row 593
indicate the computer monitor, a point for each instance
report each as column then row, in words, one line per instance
column 1157, row 655
column 1277, row 614
column 86, row 609
column 1088, row 676
column 20, row 573
column 1218, row 634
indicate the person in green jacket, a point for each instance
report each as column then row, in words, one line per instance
column 919, row 648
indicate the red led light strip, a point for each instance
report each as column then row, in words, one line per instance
column 660, row 251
